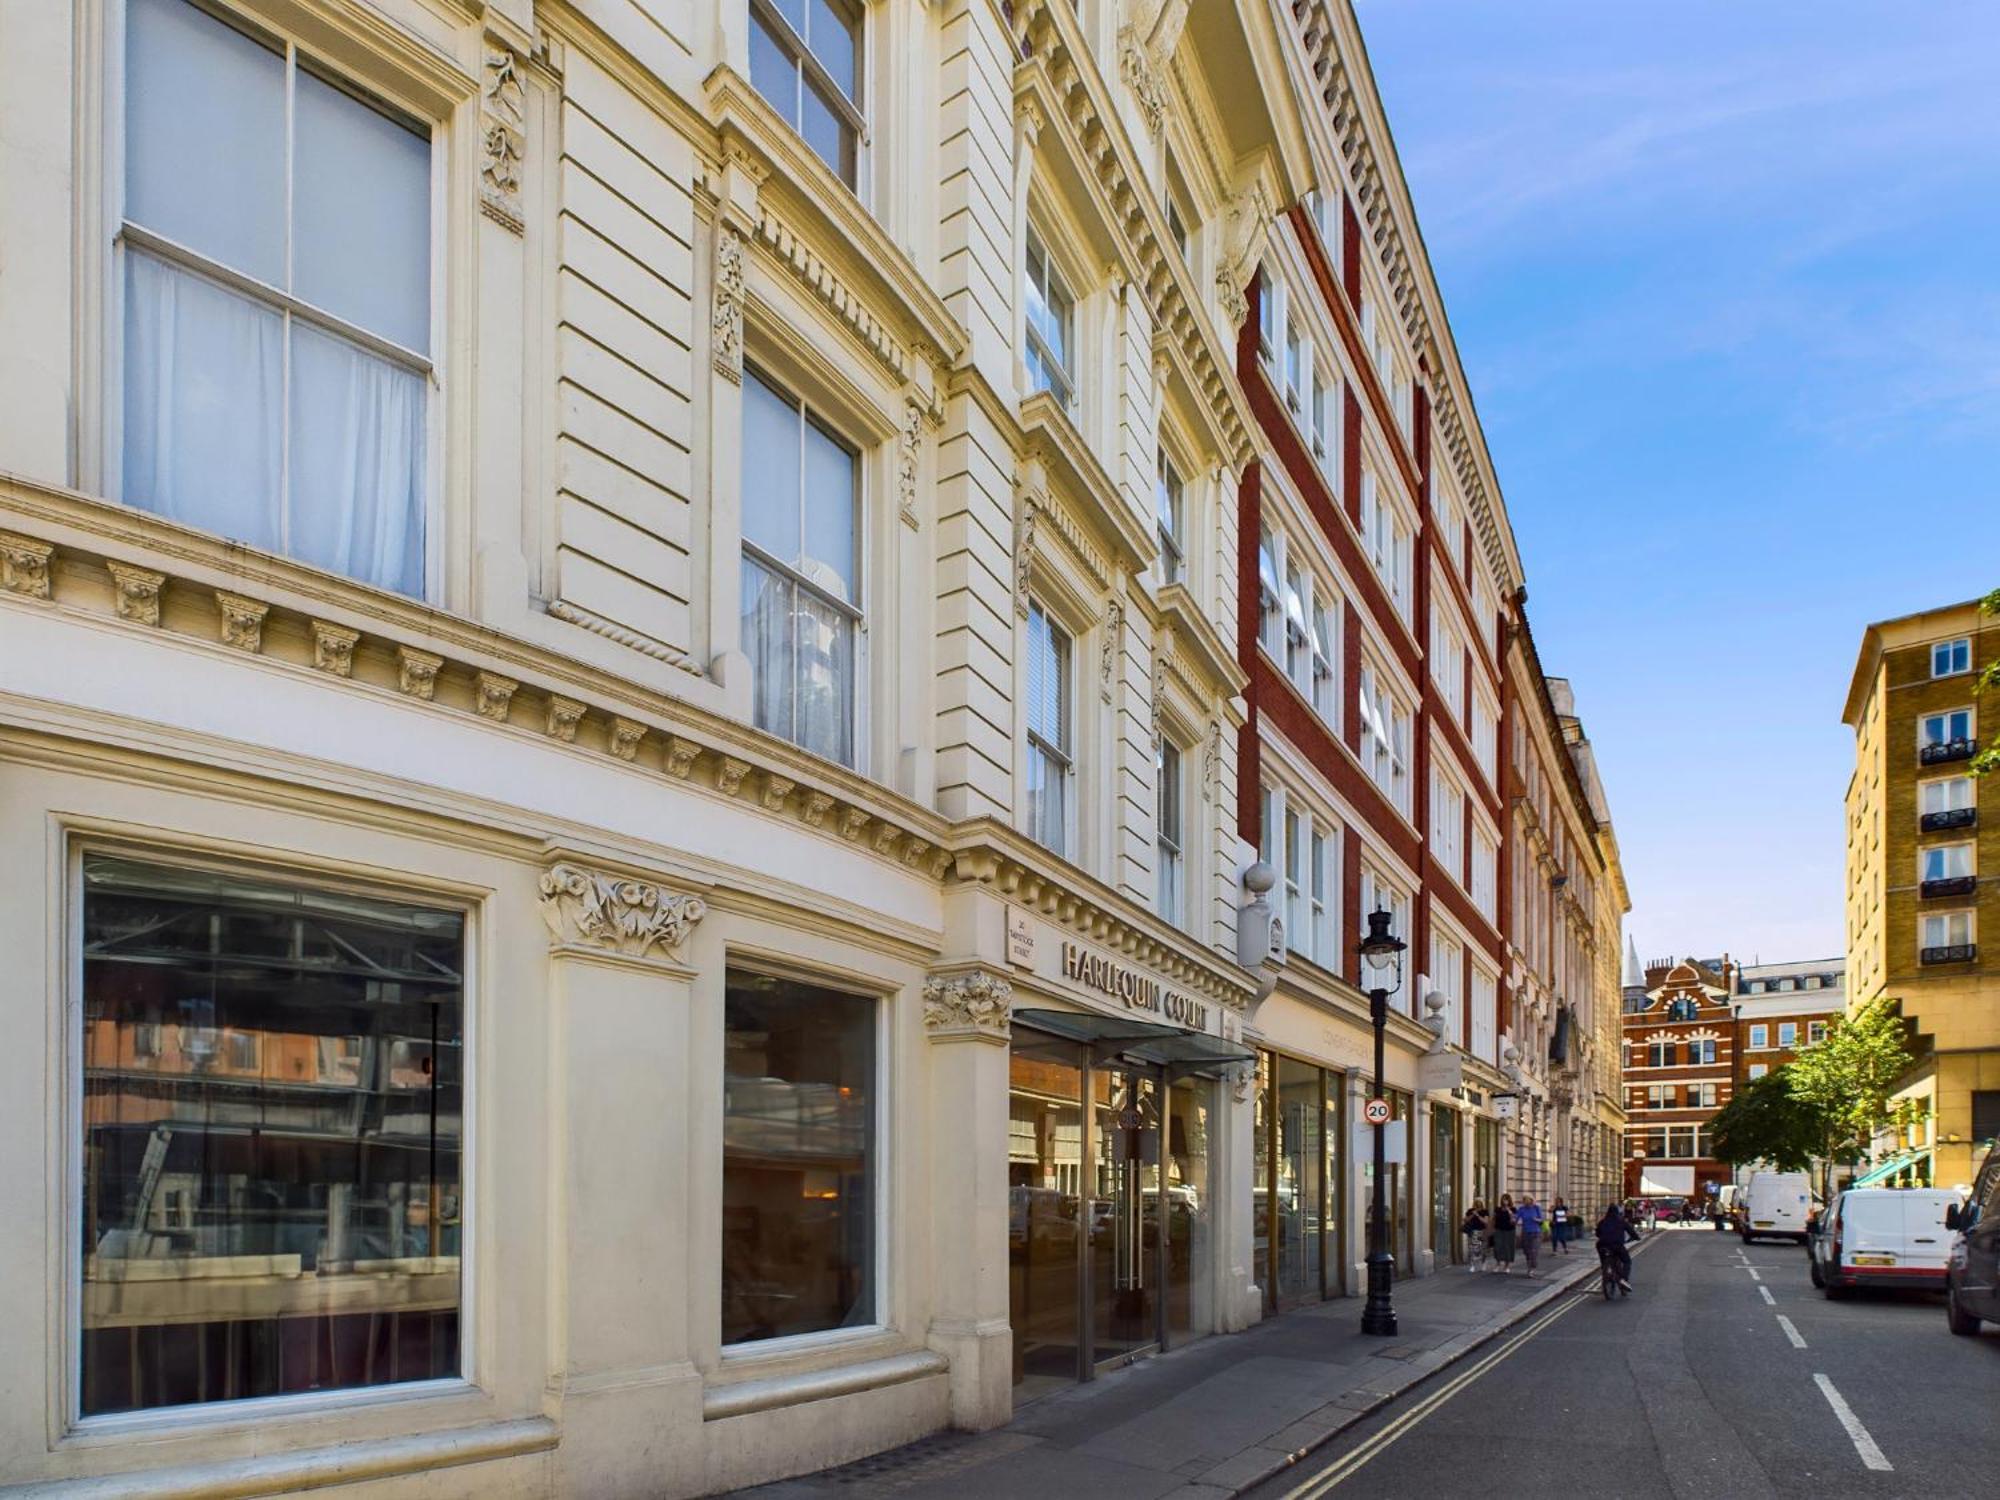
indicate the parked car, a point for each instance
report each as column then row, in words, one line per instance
column 1727, row 1206
column 1972, row 1270
column 1883, row 1237
column 1775, row 1205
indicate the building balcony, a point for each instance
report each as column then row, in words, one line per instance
column 1952, row 885
column 1954, row 953
column 1947, row 750
column 1951, row 817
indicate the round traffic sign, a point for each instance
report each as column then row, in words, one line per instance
column 1376, row 1111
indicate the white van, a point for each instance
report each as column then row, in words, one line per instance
column 1883, row 1237
column 1775, row 1204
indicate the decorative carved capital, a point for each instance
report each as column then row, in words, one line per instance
column 333, row 648
column 681, row 756
column 503, row 138
column 776, row 789
column 968, row 1007
column 563, row 716
column 138, row 592
column 417, row 671
column 584, row 908
column 24, row 565
column 1143, row 79
column 493, row 695
column 726, row 321
column 852, row 821
column 625, row 737
column 818, row 804
column 242, row 621
column 731, row 775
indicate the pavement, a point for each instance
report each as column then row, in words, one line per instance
column 1217, row 1417
column 1724, row 1375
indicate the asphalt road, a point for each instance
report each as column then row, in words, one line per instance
column 1693, row 1387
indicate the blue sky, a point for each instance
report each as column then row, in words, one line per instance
column 1725, row 277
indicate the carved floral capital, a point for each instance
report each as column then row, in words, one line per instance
column 968, row 1007
column 634, row 918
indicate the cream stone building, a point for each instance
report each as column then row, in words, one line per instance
column 622, row 684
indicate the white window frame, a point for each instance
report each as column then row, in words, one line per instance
column 1967, row 794
column 1308, row 884
column 1944, row 853
column 1946, row 918
column 851, row 112
column 1065, row 384
column 304, row 869
column 1944, row 719
column 1385, row 537
column 1379, row 893
column 1485, row 873
column 1058, row 760
column 1325, row 423
column 1760, row 1037
column 1951, row 658
column 1270, row 318
column 386, row 84
column 1815, row 1033
column 1759, row 1070
column 1447, row 830
column 1170, row 853
column 1170, row 516
column 1792, row 1040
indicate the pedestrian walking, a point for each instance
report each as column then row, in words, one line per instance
column 1528, row 1220
column 1477, row 1232
column 1503, row 1235
column 1559, row 1225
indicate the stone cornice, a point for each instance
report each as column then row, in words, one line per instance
column 1327, row 35
column 812, row 225
column 989, row 854
column 1057, row 64
column 1196, row 639
column 1083, row 483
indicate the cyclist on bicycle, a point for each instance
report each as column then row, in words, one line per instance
column 1613, row 1231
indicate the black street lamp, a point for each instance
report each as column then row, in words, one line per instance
column 1382, row 961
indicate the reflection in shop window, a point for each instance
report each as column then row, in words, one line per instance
column 272, row 1084
column 798, row 1203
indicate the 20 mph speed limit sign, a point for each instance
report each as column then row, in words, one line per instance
column 1376, row 1111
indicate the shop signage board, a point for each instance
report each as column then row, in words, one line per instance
column 1072, row 964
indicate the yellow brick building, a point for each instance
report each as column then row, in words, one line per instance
column 1923, row 874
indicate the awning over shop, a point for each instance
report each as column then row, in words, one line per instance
column 1883, row 1171
column 1141, row 1041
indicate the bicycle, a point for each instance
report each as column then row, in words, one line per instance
column 1607, row 1270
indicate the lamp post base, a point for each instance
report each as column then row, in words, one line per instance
column 1379, row 1316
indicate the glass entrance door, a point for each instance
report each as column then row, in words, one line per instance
column 1126, row 1227
column 1190, row 1212
column 1045, row 1193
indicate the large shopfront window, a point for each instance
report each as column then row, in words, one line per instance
column 1486, row 1161
column 1111, row 1219
column 273, row 1077
column 1299, row 1253
column 798, row 1158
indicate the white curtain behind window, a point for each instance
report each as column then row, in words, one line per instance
column 357, row 462
column 204, row 381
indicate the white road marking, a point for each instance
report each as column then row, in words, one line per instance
column 1754, row 1275
column 1791, row 1332
column 1772, row 1301
column 1871, row 1455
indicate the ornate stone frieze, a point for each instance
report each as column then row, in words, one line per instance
column 1113, row 644
column 973, row 1007
column 417, row 672
column 493, row 695
column 1211, row 762
column 645, row 645
column 1024, row 556
column 587, row 909
column 502, row 137
column 776, row 789
column 817, row 806
column 564, row 714
column 729, row 776
column 138, row 592
column 726, row 321
column 242, row 621
column 333, row 648
column 852, row 821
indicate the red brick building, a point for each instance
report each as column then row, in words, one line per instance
column 1679, row 1057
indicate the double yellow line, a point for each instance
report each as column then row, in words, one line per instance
column 1352, row 1463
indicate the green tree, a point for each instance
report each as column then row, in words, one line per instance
column 1766, row 1121
column 1988, row 760
column 1847, row 1079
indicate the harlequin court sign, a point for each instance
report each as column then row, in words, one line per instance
column 1135, row 989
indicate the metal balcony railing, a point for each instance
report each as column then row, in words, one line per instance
column 1951, row 885
column 1951, row 817
column 1946, row 750
column 1954, row 953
